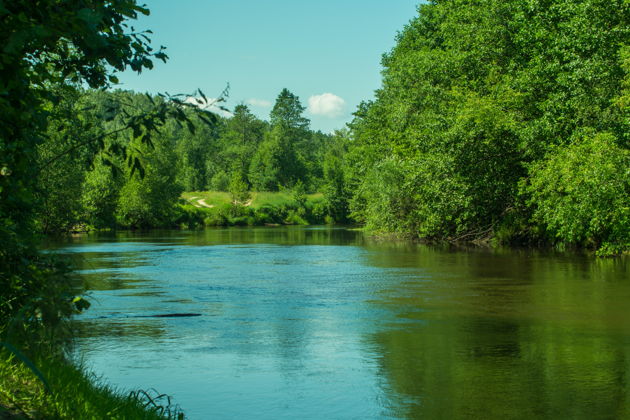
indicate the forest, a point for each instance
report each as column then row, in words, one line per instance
column 84, row 183
column 501, row 121
column 498, row 122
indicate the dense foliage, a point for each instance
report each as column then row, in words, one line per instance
column 90, row 187
column 47, row 47
column 496, row 120
column 500, row 119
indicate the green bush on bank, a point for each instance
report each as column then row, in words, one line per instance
column 263, row 208
column 191, row 217
column 497, row 120
column 580, row 194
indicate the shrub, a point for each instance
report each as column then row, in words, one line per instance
column 220, row 181
column 580, row 194
column 295, row 218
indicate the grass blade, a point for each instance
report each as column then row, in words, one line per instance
column 28, row 363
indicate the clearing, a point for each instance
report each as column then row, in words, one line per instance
column 210, row 199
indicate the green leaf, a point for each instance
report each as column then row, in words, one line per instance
column 81, row 303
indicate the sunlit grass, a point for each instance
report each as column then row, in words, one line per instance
column 258, row 199
column 73, row 394
column 212, row 198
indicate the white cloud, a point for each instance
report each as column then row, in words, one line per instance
column 209, row 105
column 327, row 105
column 259, row 102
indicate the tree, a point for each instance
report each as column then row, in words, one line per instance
column 277, row 161
column 149, row 201
column 267, row 164
column 239, row 140
column 99, row 200
column 313, row 154
column 475, row 95
column 59, row 186
column 287, row 111
column 238, row 189
column 194, row 151
column 334, row 178
column 580, row 194
column 48, row 43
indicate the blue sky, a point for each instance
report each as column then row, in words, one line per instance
column 259, row 47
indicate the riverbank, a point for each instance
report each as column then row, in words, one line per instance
column 212, row 208
column 71, row 392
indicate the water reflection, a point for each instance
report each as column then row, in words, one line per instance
column 324, row 323
column 510, row 336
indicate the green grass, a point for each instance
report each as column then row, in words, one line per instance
column 258, row 199
column 73, row 394
column 263, row 208
column 213, row 198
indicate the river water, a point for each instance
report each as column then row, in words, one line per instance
column 319, row 323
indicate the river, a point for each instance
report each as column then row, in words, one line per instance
column 321, row 323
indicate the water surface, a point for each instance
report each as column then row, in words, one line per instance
column 311, row 323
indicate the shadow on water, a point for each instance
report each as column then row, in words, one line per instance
column 321, row 322
column 505, row 335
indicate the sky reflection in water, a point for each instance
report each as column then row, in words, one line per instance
column 324, row 323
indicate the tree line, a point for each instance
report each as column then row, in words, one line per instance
column 91, row 187
column 497, row 121
column 503, row 121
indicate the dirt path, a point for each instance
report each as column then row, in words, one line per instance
column 202, row 203
column 199, row 202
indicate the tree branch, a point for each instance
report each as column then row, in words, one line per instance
column 76, row 146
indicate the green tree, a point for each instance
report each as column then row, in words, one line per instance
column 278, row 161
column 48, row 43
column 287, row 112
column 59, row 187
column 299, row 196
column 334, row 178
column 474, row 94
column 195, row 150
column 240, row 138
column 149, row 201
column 220, row 181
column 100, row 192
column 581, row 194
column 313, row 153
column 265, row 170
column 238, row 189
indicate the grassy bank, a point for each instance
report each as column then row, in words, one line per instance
column 257, row 199
column 37, row 378
column 71, row 393
column 212, row 208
